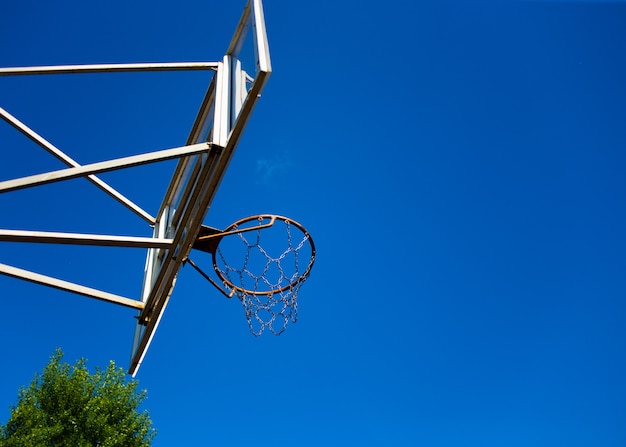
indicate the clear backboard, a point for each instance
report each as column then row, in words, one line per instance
column 230, row 98
column 233, row 90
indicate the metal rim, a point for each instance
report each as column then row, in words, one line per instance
column 287, row 220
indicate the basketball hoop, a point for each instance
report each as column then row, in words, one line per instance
column 264, row 260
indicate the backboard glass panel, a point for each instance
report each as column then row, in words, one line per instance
column 226, row 108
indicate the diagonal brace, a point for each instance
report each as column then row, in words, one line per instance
column 104, row 166
column 45, row 144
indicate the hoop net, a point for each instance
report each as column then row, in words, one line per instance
column 264, row 263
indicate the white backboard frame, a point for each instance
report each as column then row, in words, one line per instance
column 221, row 120
column 203, row 161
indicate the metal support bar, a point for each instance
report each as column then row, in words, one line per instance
column 239, row 230
column 104, row 166
column 209, row 238
column 108, row 68
column 68, row 286
column 35, row 137
column 211, row 280
column 48, row 237
column 260, row 37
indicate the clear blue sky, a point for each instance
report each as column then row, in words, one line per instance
column 459, row 164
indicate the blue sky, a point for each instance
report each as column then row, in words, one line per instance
column 460, row 166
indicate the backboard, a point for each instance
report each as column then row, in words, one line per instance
column 230, row 98
column 233, row 90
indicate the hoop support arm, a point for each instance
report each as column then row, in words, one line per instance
column 204, row 242
column 211, row 280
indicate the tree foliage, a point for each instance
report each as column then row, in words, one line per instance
column 65, row 406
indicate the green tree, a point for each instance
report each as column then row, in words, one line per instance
column 65, row 406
